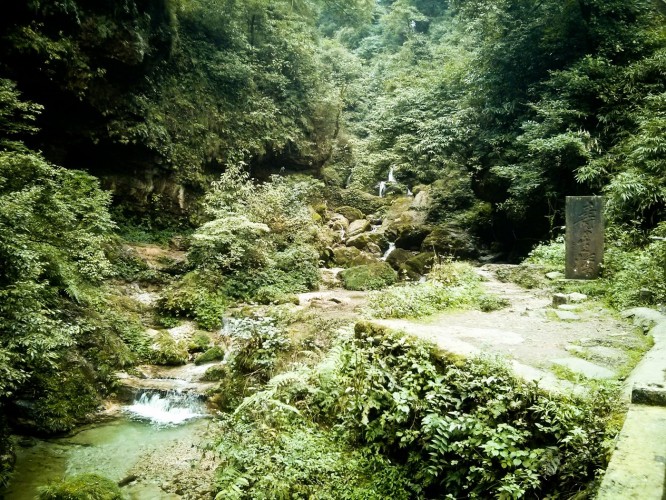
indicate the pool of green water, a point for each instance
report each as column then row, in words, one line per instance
column 111, row 449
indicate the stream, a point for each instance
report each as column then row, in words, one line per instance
column 154, row 438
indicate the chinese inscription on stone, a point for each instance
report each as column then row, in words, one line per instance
column 584, row 236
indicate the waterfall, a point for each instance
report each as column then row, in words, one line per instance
column 348, row 181
column 390, row 175
column 409, row 192
column 382, row 188
column 171, row 408
column 388, row 251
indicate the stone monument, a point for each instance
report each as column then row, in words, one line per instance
column 584, row 236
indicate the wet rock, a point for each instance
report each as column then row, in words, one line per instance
column 358, row 227
column 338, row 222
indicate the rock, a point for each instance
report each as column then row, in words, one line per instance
column 450, row 240
column 398, row 256
column 411, row 236
column 567, row 315
column 363, row 240
column 649, row 394
column 358, row 227
column 351, row 256
column 350, row 213
column 554, row 275
column 568, row 307
column 368, row 277
column 644, row 317
column 576, row 297
column 338, row 222
column 374, row 249
column 585, row 368
column 559, row 299
column 418, row 265
column 421, row 199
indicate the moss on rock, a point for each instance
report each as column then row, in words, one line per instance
column 368, row 277
column 82, row 487
column 215, row 353
column 350, row 213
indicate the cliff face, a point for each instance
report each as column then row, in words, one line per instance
column 156, row 96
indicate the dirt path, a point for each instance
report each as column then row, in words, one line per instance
column 582, row 340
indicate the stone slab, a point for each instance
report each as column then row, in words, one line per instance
column 584, row 238
column 567, row 315
column 638, row 464
column 585, row 368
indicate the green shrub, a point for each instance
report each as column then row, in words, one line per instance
column 489, row 303
column 368, row 277
column 196, row 296
column 215, row 353
column 450, row 285
column 549, row 254
column 256, row 343
column 216, row 373
column 61, row 398
column 82, row 487
column 467, row 427
column 167, row 351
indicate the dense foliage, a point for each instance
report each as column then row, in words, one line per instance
column 386, row 413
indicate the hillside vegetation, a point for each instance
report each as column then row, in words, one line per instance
column 263, row 131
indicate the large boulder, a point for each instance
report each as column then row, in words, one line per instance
column 358, row 227
column 338, row 221
column 398, row 256
column 363, row 240
column 418, row 265
column 350, row 213
column 350, row 256
column 411, row 236
column 450, row 240
column 368, row 277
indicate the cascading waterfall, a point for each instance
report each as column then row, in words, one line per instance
column 388, row 251
column 391, row 178
column 348, row 181
column 169, row 408
column 382, row 188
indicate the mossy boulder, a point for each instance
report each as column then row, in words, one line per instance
column 82, row 487
column 418, row 265
column 398, row 256
column 411, row 236
column 167, row 351
column 215, row 353
column 337, row 222
column 451, row 240
column 363, row 240
column 216, row 373
column 351, row 256
column 368, row 277
column 357, row 227
column 350, row 213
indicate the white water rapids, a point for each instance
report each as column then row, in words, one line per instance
column 172, row 408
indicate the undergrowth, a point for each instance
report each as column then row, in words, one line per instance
column 385, row 415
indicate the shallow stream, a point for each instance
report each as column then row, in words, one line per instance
column 133, row 444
